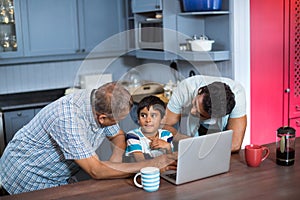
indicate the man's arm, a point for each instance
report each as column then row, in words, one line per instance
column 118, row 144
column 238, row 125
column 114, row 168
column 169, row 120
column 106, row 169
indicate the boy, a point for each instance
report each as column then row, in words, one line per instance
column 149, row 140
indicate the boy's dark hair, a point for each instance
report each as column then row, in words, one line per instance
column 154, row 101
column 218, row 99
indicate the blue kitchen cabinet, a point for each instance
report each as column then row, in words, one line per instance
column 140, row 6
column 99, row 21
column 14, row 120
column 49, row 27
column 55, row 27
column 11, row 38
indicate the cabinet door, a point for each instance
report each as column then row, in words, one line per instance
column 37, row 110
column 146, row 5
column 294, row 68
column 50, row 27
column 15, row 120
column 295, row 123
column 98, row 21
column 12, row 29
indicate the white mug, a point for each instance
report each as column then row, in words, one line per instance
column 150, row 179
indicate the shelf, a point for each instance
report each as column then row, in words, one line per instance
column 54, row 58
column 205, row 13
column 204, row 56
column 155, row 55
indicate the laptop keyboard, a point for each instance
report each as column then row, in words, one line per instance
column 172, row 176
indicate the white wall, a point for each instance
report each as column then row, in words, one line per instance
column 241, row 54
column 41, row 76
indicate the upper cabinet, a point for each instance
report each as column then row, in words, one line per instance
column 10, row 29
column 140, row 6
column 55, row 29
column 50, row 27
column 100, row 20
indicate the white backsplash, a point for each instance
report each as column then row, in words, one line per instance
column 32, row 77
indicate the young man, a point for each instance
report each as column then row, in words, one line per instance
column 64, row 136
column 149, row 141
column 211, row 104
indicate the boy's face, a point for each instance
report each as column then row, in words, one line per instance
column 149, row 121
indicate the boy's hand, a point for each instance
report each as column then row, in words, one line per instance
column 160, row 144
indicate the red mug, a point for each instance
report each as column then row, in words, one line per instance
column 255, row 154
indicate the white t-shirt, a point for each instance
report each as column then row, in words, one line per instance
column 182, row 97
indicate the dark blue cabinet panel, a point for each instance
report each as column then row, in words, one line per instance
column 15, row 120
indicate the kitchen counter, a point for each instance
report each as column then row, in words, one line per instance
column 268, row 181
column 25, row 100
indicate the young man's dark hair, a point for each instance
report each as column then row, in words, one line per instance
column 218, row 99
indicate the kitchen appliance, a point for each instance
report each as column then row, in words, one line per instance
column 149, row 34
column 147, row 89
column 285, row 146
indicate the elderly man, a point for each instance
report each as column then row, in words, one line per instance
column 63, row 137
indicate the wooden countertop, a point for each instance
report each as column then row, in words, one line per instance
column 268, row 181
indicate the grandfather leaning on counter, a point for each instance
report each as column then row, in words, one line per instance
column 211, row 104
column 64, row 136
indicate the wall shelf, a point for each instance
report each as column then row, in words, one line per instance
column 204, row 56
column 155, row 55
column 205, row 13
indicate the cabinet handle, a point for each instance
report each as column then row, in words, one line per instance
column 297, row 108
column 78, row 51
column 297, row 123
column 19, row 114
column 83, row 50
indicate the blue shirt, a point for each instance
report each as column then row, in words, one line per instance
column 41, row 154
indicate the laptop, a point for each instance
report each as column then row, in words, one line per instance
column 201, row 157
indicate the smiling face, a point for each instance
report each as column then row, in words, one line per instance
column 149, row 121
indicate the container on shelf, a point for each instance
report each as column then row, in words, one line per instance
column 201, row 5
column 201, row 44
